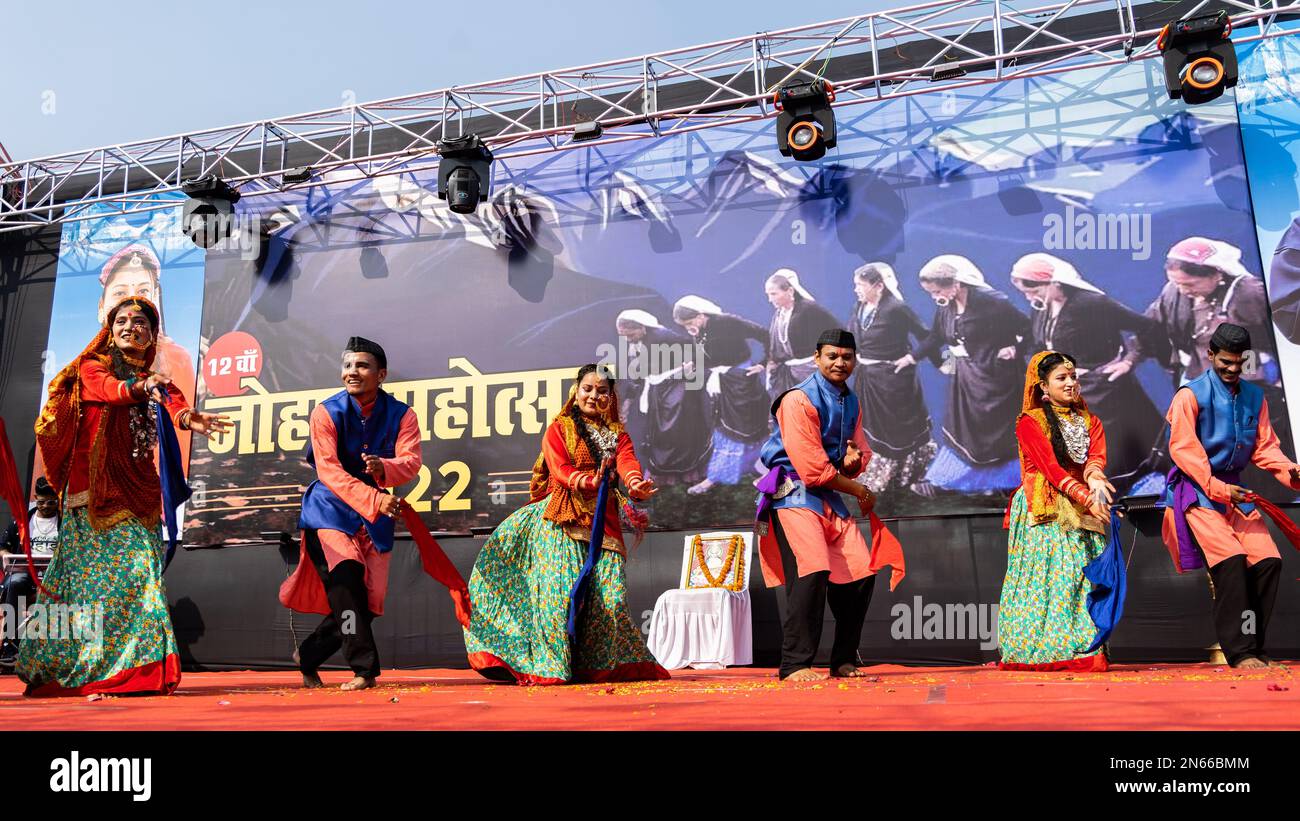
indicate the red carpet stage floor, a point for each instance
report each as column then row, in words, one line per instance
column 1128, row 697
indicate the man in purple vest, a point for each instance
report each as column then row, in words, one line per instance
column 362, row 441
column 808, row 540
column 1218, row 424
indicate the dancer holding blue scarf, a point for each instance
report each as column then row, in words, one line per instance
column 362, row 441
column 1056, row 527
column 561, row 556
column 1219, row 424
column 97, row 435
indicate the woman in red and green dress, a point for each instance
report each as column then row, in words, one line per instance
column 97, row 435
column 1056, row 525
column 524, row 574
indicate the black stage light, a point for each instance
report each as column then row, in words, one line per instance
column 587, row 131
column 208, row 214
column 463, row 172
column 1200, row 60
column 805, row 124
column 941, row 74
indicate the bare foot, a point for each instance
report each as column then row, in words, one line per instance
column 806, row 674
column 702, row 487
column 848, row 671
column 1251, row 663
column 358, row 683
column 311, row 681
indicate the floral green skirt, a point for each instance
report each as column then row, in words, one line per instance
column 109, row 630
column 520, row 589
column 1043, row 616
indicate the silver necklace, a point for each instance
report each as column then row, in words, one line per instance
column 1075, row 434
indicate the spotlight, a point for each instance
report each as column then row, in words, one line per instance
column 805, row 124
column 463, row 172
column 587, row 131
column 208, row 213
column 941, row 74
column 1200, row 60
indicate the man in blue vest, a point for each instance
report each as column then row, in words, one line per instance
column 362, row 441
column 1219, row 424
column 808, row 541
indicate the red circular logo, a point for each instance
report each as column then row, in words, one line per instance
column 230, row 358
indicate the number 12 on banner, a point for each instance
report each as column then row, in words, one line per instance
column 452, row 499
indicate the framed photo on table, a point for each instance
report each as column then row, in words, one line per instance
column 716, row 560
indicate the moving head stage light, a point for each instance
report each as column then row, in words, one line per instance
column 805, row 124
column 463, row 172
column 1200, row 60
column 208, row 214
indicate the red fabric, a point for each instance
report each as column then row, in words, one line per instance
column 154, row 678
column 886, row 550
column 437, row 565
column 637, row 671
column 1040, row 458
column 1088, row 664
column 1289, row 528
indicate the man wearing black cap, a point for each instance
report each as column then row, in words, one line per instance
column 362, row 441
column 1219, row 424
column 808, row 541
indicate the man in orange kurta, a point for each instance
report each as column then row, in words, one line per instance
column 348, row 516
column 812, row 545
column 1218, row 424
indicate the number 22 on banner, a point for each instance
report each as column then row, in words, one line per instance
column 452, row 499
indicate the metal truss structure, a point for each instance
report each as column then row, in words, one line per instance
column 927, row 48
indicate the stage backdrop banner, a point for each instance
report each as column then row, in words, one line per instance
column 485, row 317
column 1268, row 84
column 107, row 258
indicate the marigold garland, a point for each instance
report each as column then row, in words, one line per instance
column 734, row 555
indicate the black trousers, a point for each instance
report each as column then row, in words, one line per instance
column 804, row 608
column 1243, row 604
column 347, row 627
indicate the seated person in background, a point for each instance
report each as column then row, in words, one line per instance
column 19, row 587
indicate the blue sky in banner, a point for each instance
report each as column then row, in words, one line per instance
column 83, row 251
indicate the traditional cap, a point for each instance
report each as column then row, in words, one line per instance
column 953, row 266
column 837, row 338
column 136, row 256
column 644, row 318
column 696, row 305
column 359, row 344
column 1040, row 267
column 1230, row 338
column 792, row 277
column 887, row 276
column 1212, row 253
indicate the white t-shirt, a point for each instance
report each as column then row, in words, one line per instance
column 44, row 533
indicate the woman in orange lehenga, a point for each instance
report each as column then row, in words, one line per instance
column 97, row 435
column 1056, row 525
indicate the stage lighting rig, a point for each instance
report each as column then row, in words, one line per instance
column 208, row 214
column 805, row 124
column 464, row 172
column 1200, row 60
column 587, row 131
